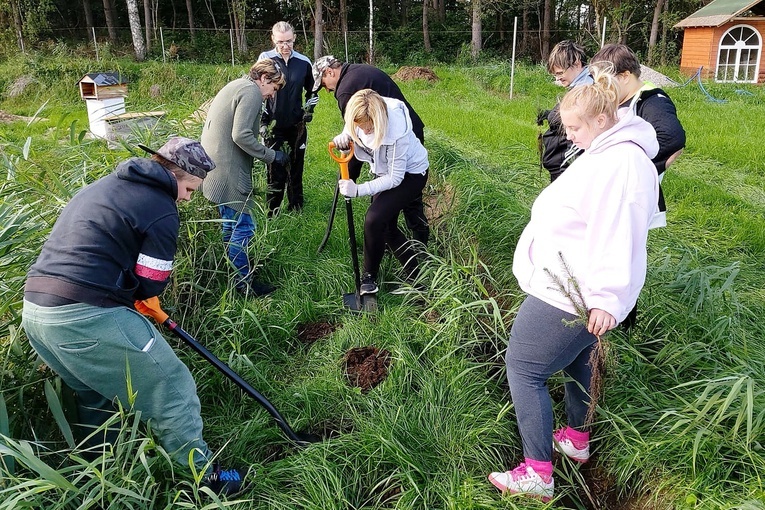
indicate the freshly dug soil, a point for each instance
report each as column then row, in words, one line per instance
column 310, row 332
column 415, row 73
column 366, row 367
column 603, row 493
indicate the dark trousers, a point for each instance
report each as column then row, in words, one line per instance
column 381, row 225
column 541, row 344
column 414, row 211
column 291, row 179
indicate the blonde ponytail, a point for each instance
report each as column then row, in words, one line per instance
column 601, row 97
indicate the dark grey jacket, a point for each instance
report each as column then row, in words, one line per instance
column 115, row 240
column 230, row 137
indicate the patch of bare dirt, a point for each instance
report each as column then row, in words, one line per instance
column 407, row 73
column 439, row 201
column 603, row 494
column 310, row 332
column 7, row 118
column 366, row 367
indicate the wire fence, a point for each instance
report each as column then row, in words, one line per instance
column 210, row 45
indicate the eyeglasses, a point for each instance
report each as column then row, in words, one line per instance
column 289, row 42
column 558, row 74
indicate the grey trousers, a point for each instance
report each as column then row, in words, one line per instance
column 540, row 345
column 92, row 349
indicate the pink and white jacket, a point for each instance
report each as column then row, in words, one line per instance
column 595, row 216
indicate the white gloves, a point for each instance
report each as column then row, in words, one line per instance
column 348, row 188
column 342, row 142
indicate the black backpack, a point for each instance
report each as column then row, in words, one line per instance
column 556, row 153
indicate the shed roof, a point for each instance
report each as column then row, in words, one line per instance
column 104, row 79
column 719, row 12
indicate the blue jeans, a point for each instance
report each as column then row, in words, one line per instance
column 94, row 350
column 238, row 228
column 540, row 345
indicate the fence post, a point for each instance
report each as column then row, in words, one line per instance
column 512, row 59
column 95, row 42
column 231, row 40
column 162, row 42
column 345, row 38
column 371, row 33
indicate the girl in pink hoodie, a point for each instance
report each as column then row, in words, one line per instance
column 594, row 218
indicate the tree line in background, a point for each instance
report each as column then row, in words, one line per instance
column 374, row 30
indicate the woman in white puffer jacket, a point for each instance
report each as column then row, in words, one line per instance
column 381, row 130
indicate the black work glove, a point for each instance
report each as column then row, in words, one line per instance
column 542, row 116
column 281, row 158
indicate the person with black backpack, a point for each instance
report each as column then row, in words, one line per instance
column 568, row 64
column 652, row 104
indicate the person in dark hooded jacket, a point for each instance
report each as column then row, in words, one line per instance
column 114, row 244
column 653, row 104
column 567, row 62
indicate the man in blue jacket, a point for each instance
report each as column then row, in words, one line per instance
column 291, row 117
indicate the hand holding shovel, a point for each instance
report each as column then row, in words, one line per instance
column 151, row 308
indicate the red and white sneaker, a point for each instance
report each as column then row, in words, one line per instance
column 525, row 480
column 578, row 451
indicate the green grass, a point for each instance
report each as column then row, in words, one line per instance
column 683, row 416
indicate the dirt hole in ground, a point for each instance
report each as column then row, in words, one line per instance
column 439, row 201
column 366, row 367
column 310, row 332
column 407, row 73
column 602, row 493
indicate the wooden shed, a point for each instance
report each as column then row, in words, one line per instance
column 725, row 39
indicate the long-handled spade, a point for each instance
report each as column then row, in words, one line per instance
column 152, row 308
column 352, row 300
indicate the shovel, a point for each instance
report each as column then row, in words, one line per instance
column 152, row 308
column 352, row 300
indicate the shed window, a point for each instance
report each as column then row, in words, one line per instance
column 738, row 56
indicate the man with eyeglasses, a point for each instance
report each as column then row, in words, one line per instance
column 568, row 64
column 290, row 116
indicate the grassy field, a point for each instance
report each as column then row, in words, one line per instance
column 682, row 421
